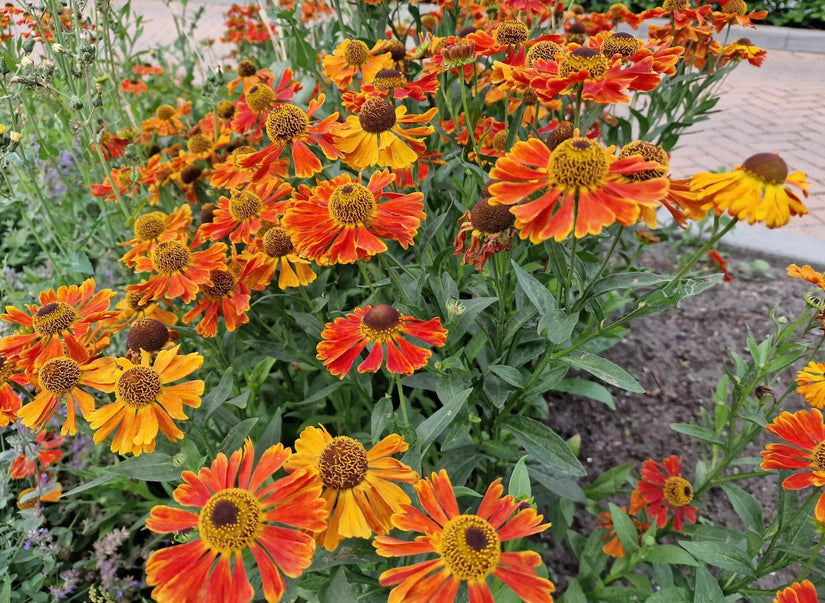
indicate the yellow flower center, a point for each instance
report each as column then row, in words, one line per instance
column 470, row 547
column 138, row 386
column 240, row 154
column 389, row 79
column 579, row 163
column 59, row 375
column 675, row 5
column 678, row 491
column 343, row 463
column 170, row 256
column 649, row 152
column 542, row 51
column 149, row 226
column 225, row 109
column 735, row 7
column 6, row 369
column 244, row 205
column 260, row 98
column 351, row 204
column 123, row 179
column 222, row 284
column 53, row 318
column 147, row 334
column 377, row 116
column 356, row 53
column 165, row 112
column 500, row 141
column 818, row 456
column 380, row 323
column 621, row 43
column 491, row 219
column 277, row 242
column 770, row 168
column 511, row 33
column 199, row 143
column 286, row 123
column 230, row 520
column 246, row 68
column 133, row 300
column 587, row 59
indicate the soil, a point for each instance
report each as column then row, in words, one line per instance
column 678, row 357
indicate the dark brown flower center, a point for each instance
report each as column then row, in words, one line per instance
column 225, row 109
column 649, row 152
column 396, row 49
column 223, row 282
column 343, row 463
column 491, row 219
column 246, row 68
column 59, row 375
column 818, row 456
column 388, row 79
column 770, row 168
column 190, row 173
column 470, row 547
column 381, row 323
column 230, row 520
column 377, row 116
column 277, row 242
column 147, row 334
column 579, row 163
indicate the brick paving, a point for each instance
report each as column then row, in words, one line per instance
column 775, row 108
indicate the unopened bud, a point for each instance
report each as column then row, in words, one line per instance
column 28, row 45
column 75, row 103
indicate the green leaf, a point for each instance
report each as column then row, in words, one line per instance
column 508, row 374
column 609, row 482
column 628, row 280
column 573, row 594
column 538, row 294
column 98, row 481
column 381, row 418
column 604, row 370
column 272, row 432
column 154, row 467
column 338, row 589
column 544, row 446
column 721, row 554
column 669, row 554
column 435, row 424
column 587, row 389
column 746, row 507
column 556, row 325
column 5, row 594
column 216, row 396
column 625, row 529
column 695, row 431
column 519, row 486
column 236, row 436
column 706, row 589
column 671, row 594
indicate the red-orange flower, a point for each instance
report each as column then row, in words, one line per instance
column 252, row 108
column 66, row 316
column 238, row 511
column 743, row 50
column 798, row 592
column 154, row 227
column 133, row 86
column 353, row 56
column 167, row 119
column 382, row 327
column 467, row 547
column 490, row 230
column 663, row 486
column 273, row 251
column 584, row 188
column 44, row 449
column 343, row 221
column 178, row 270
column 804, row 430
column 249, row 75
column 613, row 546
column 227, row 296
column 9, row 399
column 241, row 215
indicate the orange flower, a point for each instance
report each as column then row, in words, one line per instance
column 288, row 125
column 227, row 296
column 757, row 191
column 238, row 512
column 179, row 270
column 583, row 186
column 807, row 273
column 118, row 177
column 145, row 399
column 811, row 382
column 359, row 492
column 249, row 75
column 67, row 315
column 804, row 430
column 131, row 308
column 382, row 326
column 613, row 546
column 743, row 50
column 232, row 173
column 798, row 592
column 467, row 547
column 133, row 86
column 241, row 215
column 252, row 108
column 375, row 137
column 9, row 400
column 343, row 221
column 273, row 251
column 353, row 56
column 167, row 119
column 734, row 11
column 59, row 378
column 662, row 486
column 154, row 227
column 45, row 449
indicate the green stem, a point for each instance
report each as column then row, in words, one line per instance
column 470, row 127
column 394, row 278
column 402, row 403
